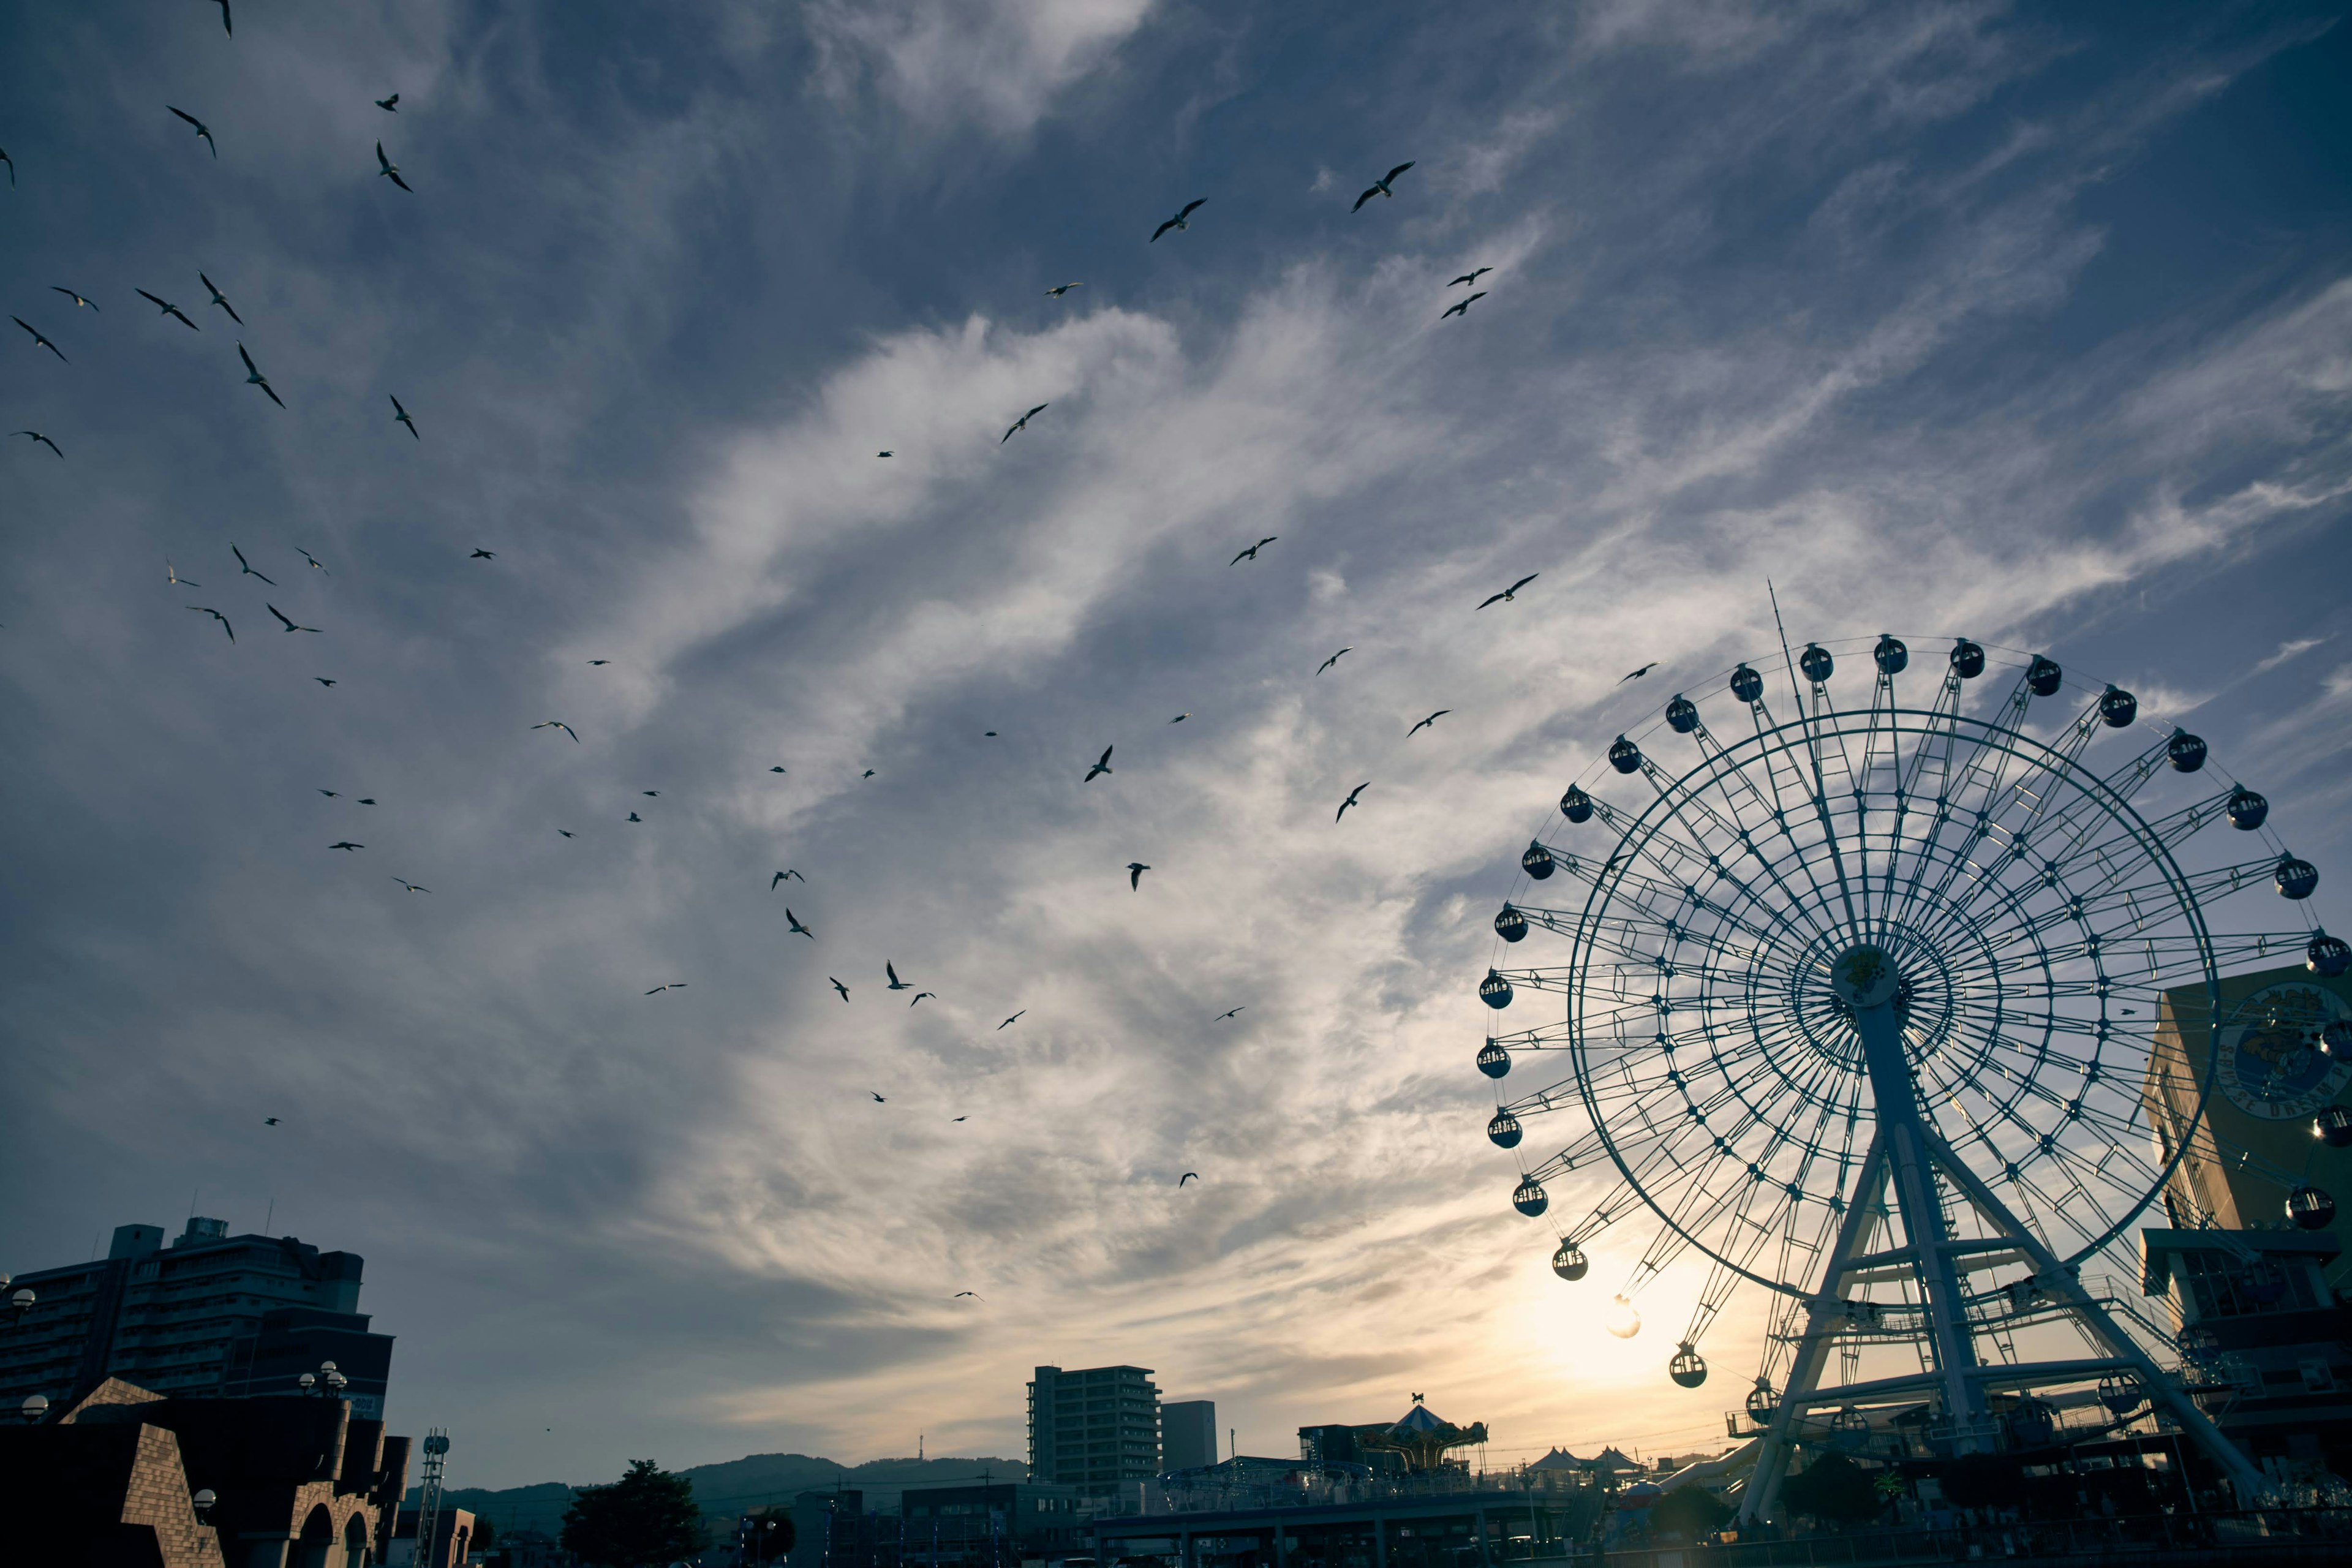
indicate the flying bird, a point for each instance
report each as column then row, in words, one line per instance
column 650, row 793
column 965, row 1117
column 1058, row 290
column 920, row 994
column 331, row 794
column 1425, row 723
column 1223, row 1016
column 202, row 128
column 288, row 625
column 866, row 774
column 322, row 680
column 346, row 844
column 400, row 417
column 218, row 616
column 597, row 661
column 220, row 299
column 1187, row 1176
column 962, row 1294
column 1181, row 717
column 1510, row 594
column 559, row 724
column 988, row 734
column 635, row 818
column 248, row 565
column 1134, row 870
column 783, row 875
column 891, row 970
column 672, row 985
column 389, row 105
column 894, row 454
column 270, row 1121
column 1181, row 220
column 877, row 1098
column 1462, row 307
column 62, row 288
column 39, row 342
column 1102, row 764
column 171, row 577
column 224, row 27
column 365, row 800
column 483, row 555
column 411, row 886
column 169, row 308
column 794, row 921
column 52, row 445
column 837, row 986
column 1006, row 1025
column 1637, row 675
column 255, row 378
column 312, row 558
column 1380, row 188
column 1471, row 277
column 1250, row 554
column 388, row 169
column 1333, row 659
column 1352, row 794
column 1022, row 423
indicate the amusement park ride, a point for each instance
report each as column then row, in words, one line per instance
column 1863, row 1003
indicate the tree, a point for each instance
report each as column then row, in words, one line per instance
column 647, row 1519
column 1833, row 1487
column 1691, row 1511
column 485, row 1534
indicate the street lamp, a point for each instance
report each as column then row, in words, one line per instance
column 36, row 1406
column 20, row 1302
column 325, row 1382
column 203, row 1501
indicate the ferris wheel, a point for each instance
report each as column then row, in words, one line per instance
column 1863, row 1004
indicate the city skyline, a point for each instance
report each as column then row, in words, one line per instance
column 1945, row 321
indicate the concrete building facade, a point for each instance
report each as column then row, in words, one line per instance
column 1094, row 1429
column 210, row 1314
column 1187, row 1433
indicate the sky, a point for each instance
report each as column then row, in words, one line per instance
column 2032, row 325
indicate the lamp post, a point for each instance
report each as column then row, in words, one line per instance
column 326, row 1382
column 20, row 1302
column 203, row 1501
column 36, row 1406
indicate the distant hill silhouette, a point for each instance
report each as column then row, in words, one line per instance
column 725, row 1489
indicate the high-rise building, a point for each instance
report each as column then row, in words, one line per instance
column 1187, row 1433
column 211, row 1314
column 1094, row 1429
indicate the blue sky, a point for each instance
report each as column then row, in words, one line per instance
column 2032, row 325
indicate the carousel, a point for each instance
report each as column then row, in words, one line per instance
column 1422, row 1438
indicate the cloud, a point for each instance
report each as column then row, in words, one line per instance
column 2287, row 651
column 998, row 64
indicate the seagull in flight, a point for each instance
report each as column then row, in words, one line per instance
column 220, row 299
column 224, row 27
column 389, row 169
column 1022, row 423
column 389, row 105
column 241, row 561
column 597, row 661
column 312, row 558
column 567, row 833
column 1058, row 290
column 1250, row 554
column 1639, row 673
column 52, row 445
column 1181, row 717
column 672, row 985
column 920, row 994
column 218, row 616
column 174, row 577
column 400, row 417
column 891, row 970
column 558, row 725
column 1425, row 723
column 1223, row 1016
column 202, row 128
column 894, row 454
column 794, row 921
column 1181, row 220
column 1379, row 186
column 1511, row 593
column 40, row 341
column 322, row 680
column 1187, row 1176
column 483, row 555
column 1471, row 277
column 1462, row 307
column 169, row 308
column 411, row 886
column 837, row 986
column 1001, row 1028
column 288, row 625
column 62, row 288
column 1352, row 794
column 1334, row 658
column 781, row 876
column 1102, row 764
column 635, row 818
column 346, row 844
column 255, row 378
column 1134, row 870
column 877, row 1098
column 270, row 1121
column 962, row 1294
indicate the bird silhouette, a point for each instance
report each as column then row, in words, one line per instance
column 894, row 454
column 1250, row 554
column 1008, row 1023
column 920, row 994
column 254, row 377
column 672, row 985
column 202, row 128
column 1229, row 1013
column 962, row 1294
column 411, row 886
column 1332, row 660
column 322, row 680
column 245, row 567
column 388, row 169
column 220, row 299
column 635, row 818
column 1636, row 675
column 783, row 875
column 208, row 610
column 1134, row 870
column 1471, row 277
column 567, row 833
column 331, row 794
column 1181, row 220
column 1511, row 593
column 892, row 971
column 1181, row 717
column 289, row 626
column 1102, row 764
column 483, row 555
column 558, row 725
column 1187, row 1176
column 172, row 575
column 315, row 565
column 794, row 921
column 1352, row 794
column 597, row 661
column 68, row 293
column 1058, row 290
column 168, row 309
column 391, row 106
column 1462, row 307
column 39, row 342
column 837, row 986
column 1022, row 423
column 1380, row 188
column 52, row 445
column 270, row 1121
column 877, row 1098
column 224, row 27
column 12, row 167
column 1425, row 723
column 346, row 844
column 400, row 417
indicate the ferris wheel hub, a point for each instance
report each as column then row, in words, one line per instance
column 1864, row 976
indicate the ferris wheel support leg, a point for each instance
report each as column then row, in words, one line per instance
column 1824, row 1318
column 2056, row 1279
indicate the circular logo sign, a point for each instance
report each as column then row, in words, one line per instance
column 1864, row 977
column 2272, row 1063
